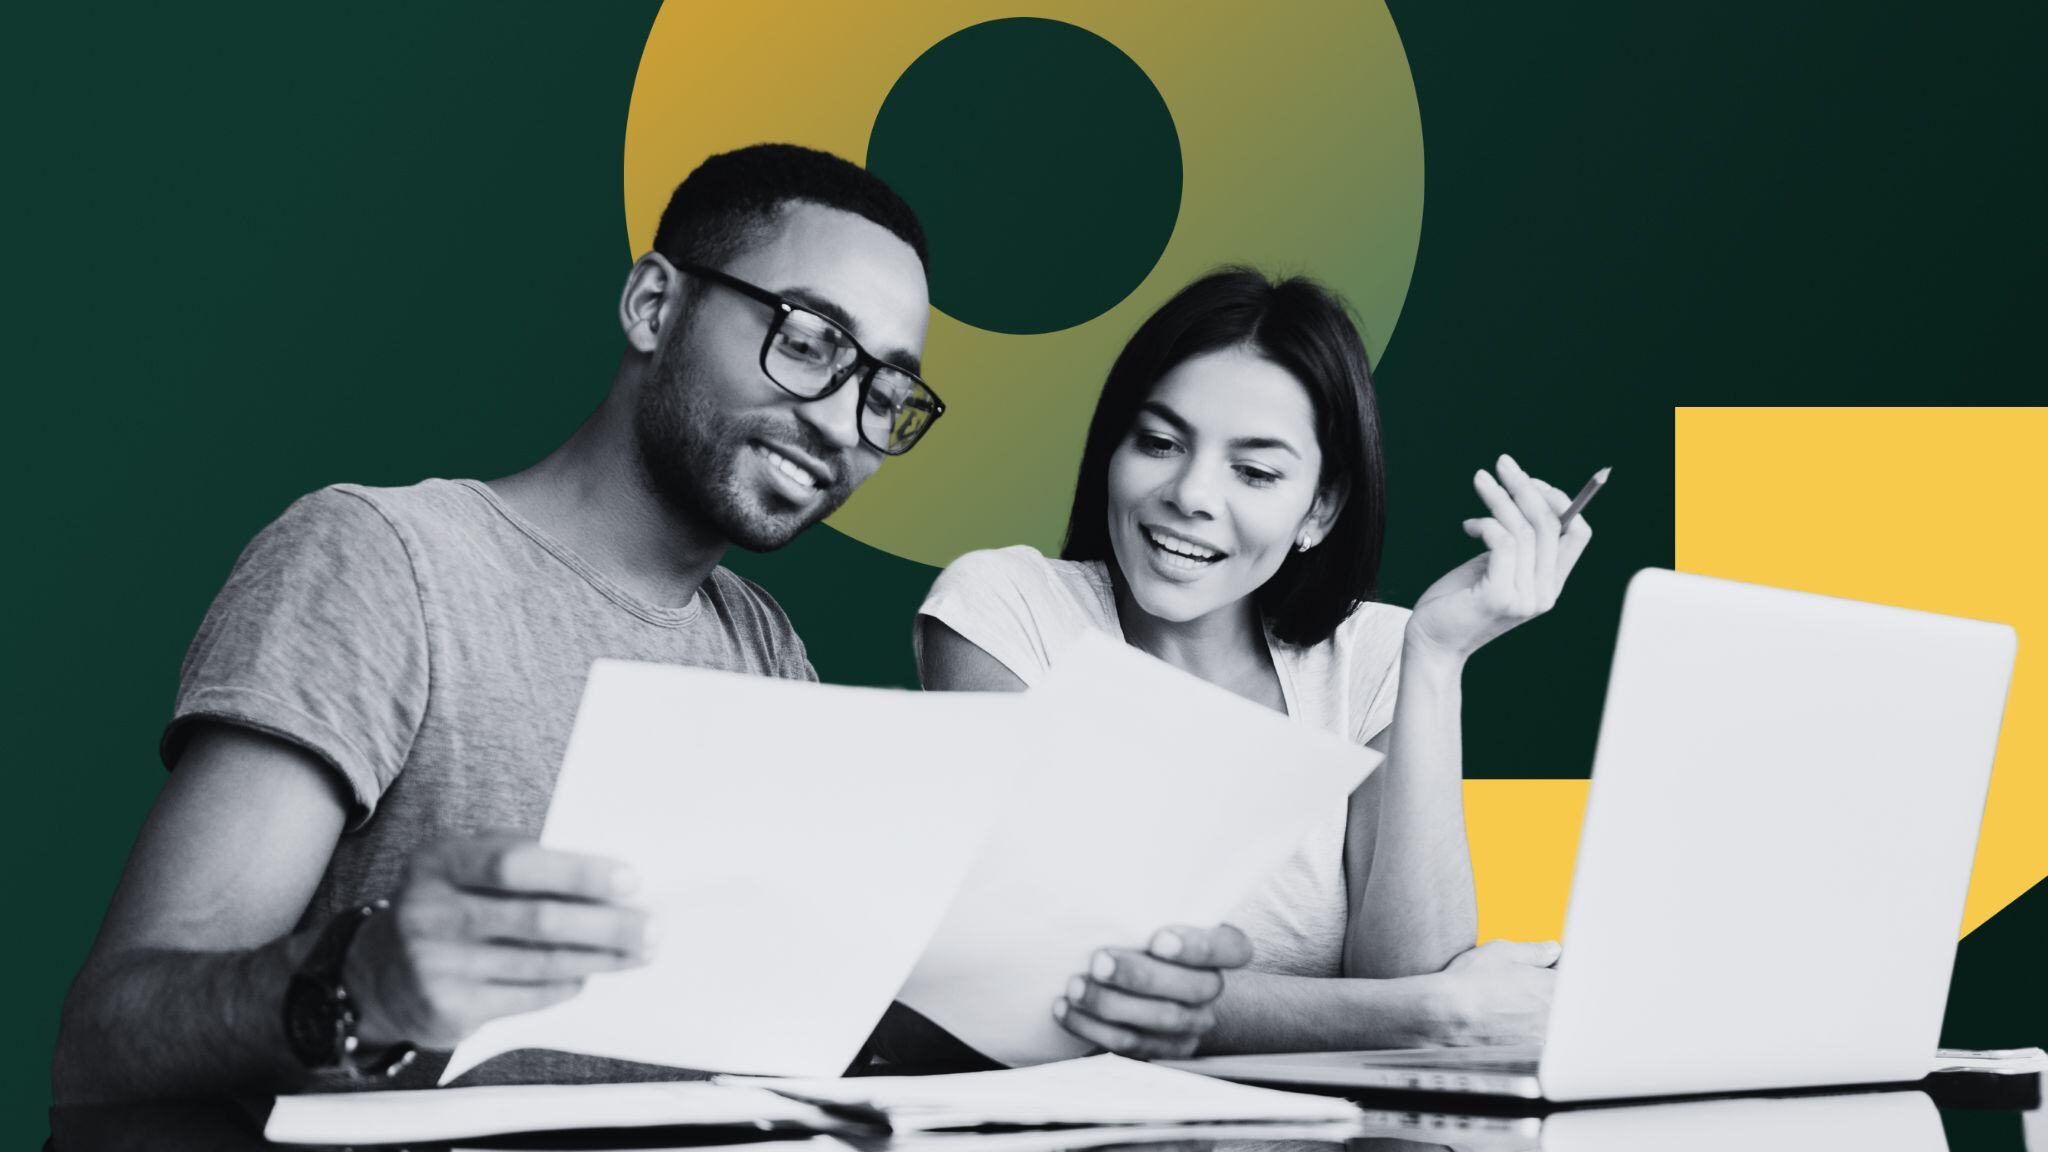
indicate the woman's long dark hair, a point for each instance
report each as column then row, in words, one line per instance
column 1307, row 330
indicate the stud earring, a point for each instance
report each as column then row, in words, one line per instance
column 1305, row 543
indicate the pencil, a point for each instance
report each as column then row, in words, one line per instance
column 1584, row 497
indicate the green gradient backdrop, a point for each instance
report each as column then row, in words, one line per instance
column 259, row 249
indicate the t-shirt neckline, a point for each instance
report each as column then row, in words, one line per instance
column 605, row 585
column 1105, row 591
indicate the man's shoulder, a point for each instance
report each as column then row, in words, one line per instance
column 365, row 510
column 429, row 502
column 736, row 590
column 759, row 622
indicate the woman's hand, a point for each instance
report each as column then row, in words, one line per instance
column 1158, row 1002
column 1527, row 558
column 1497, row 993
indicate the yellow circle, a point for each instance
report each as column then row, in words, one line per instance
column 1301, row 147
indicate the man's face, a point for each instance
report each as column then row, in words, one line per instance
column 722, row 442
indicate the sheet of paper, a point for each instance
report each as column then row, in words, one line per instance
column 1269, row 1137
column 811, row 1144
column 1152, row 798
column 796, row 843
column 1093, row 1090
column 462, row 1113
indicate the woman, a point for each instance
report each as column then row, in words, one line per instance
column 1228, row 519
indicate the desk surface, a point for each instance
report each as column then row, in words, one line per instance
column 1892, row 1121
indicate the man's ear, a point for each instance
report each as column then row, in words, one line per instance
column 1329, row 502
column 651, row 300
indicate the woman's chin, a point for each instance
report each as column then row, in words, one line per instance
column 1174, row 603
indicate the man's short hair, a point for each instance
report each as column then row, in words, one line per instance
column 732, row 199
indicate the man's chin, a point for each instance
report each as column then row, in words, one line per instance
column 765, row 530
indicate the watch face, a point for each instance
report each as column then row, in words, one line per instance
column 312, row 1022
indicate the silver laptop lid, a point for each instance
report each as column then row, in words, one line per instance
column 1778, row 843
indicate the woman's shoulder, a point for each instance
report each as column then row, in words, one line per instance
column 1353, row 674
column 1023, row 571
column 1373, row 628
column 1018, row 606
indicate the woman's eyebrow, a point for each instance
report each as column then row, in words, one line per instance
column 1266, row 442
column 1155, row 408
column 1180, row 424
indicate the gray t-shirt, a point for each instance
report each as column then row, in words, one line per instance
column 431, row 646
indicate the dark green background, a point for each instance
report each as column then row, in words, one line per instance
column 263, row 248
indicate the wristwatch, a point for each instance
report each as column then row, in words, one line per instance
column 320, row 1015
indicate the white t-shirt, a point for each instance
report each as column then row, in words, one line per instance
column 1024, row 610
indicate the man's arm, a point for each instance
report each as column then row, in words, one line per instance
column 183, row 992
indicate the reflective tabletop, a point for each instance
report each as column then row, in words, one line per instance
column 1889, row 1121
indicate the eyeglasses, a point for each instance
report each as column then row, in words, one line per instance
column 811, row 357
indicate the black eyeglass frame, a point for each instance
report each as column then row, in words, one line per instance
column 865, row 363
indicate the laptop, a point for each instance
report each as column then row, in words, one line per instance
column 1865, row 1121
column 1777, row 845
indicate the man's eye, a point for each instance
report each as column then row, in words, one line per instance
column 801, row 347
column 808, row 340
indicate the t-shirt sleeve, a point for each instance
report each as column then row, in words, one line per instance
column 766, row 627
column 1001, row 602
column 1376, row 657
column 318, row 638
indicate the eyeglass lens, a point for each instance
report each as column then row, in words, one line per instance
column 811, row 356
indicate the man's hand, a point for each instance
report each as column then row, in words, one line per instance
column 1158, row 1002
column 1497, row 993
column 488, row 927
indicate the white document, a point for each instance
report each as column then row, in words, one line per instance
column 1152, row 798
column 1095, row 1090
column 796, row 843
column 1269, row 1137
column 459, row 1113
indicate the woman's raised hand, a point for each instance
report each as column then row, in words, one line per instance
column 1527, row 559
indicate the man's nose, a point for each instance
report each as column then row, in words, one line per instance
column 836, row 417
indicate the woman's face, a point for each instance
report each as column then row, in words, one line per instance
column 1213, row 484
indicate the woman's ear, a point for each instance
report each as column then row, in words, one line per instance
column 647, row 303
column 1322, row 514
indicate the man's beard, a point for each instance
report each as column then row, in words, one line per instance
column 691, row 456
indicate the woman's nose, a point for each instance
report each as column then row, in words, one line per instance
column 1192, row 491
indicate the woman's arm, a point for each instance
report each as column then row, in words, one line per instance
column 950, row 662
column 1406, row 858
column 1407, row 864
column 1498, row 993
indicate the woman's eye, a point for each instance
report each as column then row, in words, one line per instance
column 1257, row 477
column 1152, row 445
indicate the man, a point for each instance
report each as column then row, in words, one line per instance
column 340, row 873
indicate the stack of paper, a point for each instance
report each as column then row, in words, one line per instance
column 1099, row 1090
column 812, row 851
column 795, row 842
column 1152, row 798
column 458, row 1113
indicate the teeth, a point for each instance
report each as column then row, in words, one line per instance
column 1182, row 547
column 788, row 468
